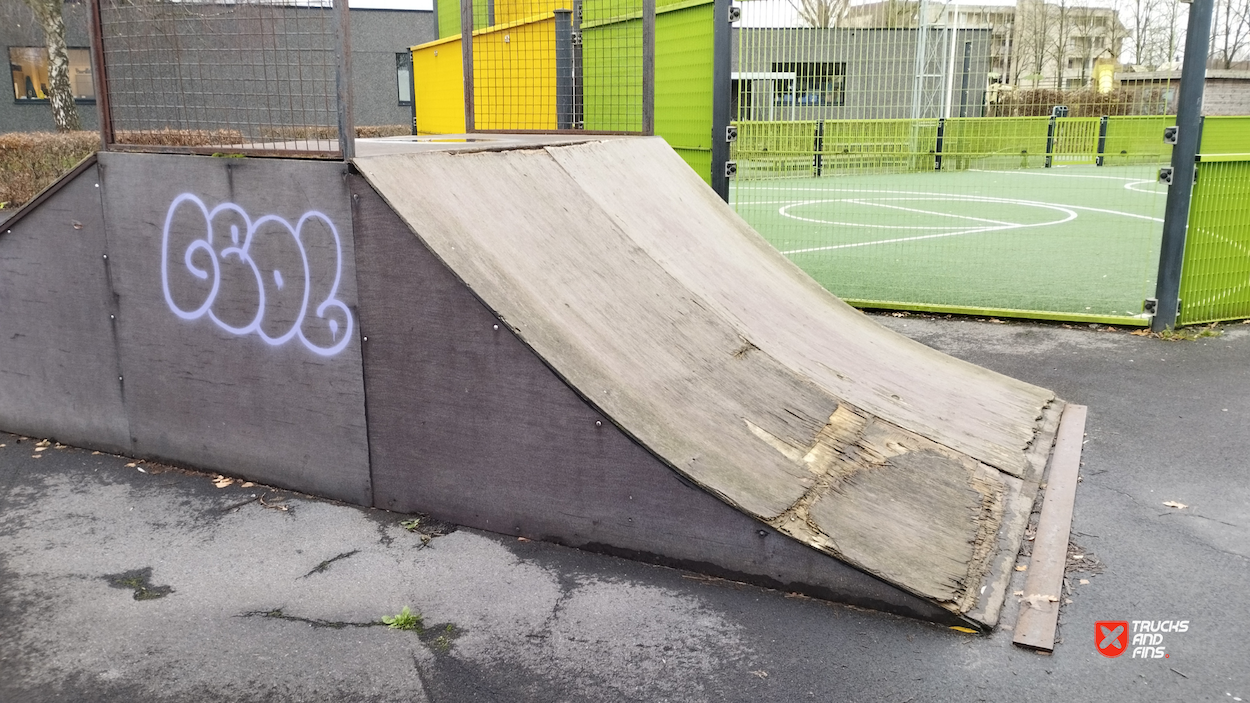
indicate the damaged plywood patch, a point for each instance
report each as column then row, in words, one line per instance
column 900, row 507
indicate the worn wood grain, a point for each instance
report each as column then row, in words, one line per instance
column 1043, row 589
column 640, row 183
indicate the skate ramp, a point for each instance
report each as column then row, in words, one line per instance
column 572, row 342
column 664, row 311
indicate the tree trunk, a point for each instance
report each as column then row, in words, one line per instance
column 60, row 95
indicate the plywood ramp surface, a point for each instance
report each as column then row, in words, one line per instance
column 653, row 301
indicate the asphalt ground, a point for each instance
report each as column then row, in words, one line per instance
column 142, row 582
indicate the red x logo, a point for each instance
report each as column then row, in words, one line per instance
column 1111, row 637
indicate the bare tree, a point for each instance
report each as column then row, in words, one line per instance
column 1145, row 21
column 817, row 13
column 1091, row 29
column 1061, row 36
column 900, row 13
column 1230, row 33
column 49, row 14
column 1032, row 31
column 1175, row 30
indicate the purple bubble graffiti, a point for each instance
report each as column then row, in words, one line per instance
column 241, row 251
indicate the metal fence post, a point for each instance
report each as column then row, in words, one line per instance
column 1184, row 156
column 722, row 87
column 648, row 67
column 466, row 53
column 343, row 79
column 100, row 77
column 564, row 69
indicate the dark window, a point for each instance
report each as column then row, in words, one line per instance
column 816, row 84
column 403, row 70
column 29, row 67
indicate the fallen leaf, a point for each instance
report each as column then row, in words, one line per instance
column 141, row 470
column 94, row 453
column 1037, row 599
column 247, row 484
column 36, row 456
column 1078, row 556
column 1018, row 593
column 39, row 449
column 1022, row 567
column 223, row 482
column 1067, row 601
column 1084, row 582
column 131, row 465
column 1174, row 504
column 77, row 224
column 522, row 539
column 1140, row 333
column 761, row 673
column 2, row 446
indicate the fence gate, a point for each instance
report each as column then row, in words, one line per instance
column 1215, row 274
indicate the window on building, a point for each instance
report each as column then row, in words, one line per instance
column 816, row 84
column 403, row 70
column 29, row 66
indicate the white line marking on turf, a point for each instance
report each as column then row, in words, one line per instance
column 859, row 201
column 1066, row 209
column 1155, row 191
column 968, row 198
column 1005, row 226
column 895, row 241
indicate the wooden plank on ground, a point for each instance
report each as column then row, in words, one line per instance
column 1043, row 589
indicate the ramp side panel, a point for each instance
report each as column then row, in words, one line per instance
column 664, row 208
column 466, row 423
column 60, row 366
column 228, row 380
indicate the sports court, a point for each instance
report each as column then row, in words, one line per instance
column 1075, row 239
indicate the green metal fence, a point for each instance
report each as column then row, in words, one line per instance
column 683, row 80
column 1215, row 273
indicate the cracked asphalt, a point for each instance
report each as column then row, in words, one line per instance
column 149, row 583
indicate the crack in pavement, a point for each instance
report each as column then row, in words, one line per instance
column 325, row 565
column 277, row 614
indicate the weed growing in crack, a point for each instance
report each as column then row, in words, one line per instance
column 405, row 620
column 140, row 581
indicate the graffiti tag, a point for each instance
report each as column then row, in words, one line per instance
column 256, row 276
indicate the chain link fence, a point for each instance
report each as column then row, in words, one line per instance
column 254, row 76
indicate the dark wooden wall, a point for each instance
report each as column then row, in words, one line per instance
column 58, row 363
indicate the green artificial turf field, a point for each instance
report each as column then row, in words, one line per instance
column 1070, row 242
